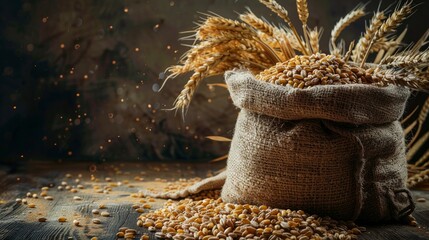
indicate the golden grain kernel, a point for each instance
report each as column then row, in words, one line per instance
column 42, row 219
column 96, row 221
column 130, row 230
column 105, row 214
column 31, row 205
column 62, row 219
column 145, row 237
column 140, row 210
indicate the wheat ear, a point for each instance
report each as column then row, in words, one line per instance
column 365, row 40
column 303, row 13
column 345, row 21
column 314, row 36
column 257, row 23
column 418, row 178
column 185, row 96
column 283, row 13
column 388, row 26
column 267, row 29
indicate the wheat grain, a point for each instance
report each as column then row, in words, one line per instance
column 317, row 69
column 213, row 219
column 365, row 40
column 350, row 18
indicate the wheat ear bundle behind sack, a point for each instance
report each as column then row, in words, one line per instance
column 317, row 132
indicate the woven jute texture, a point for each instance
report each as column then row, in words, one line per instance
column 333, row 150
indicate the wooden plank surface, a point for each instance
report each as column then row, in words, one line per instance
column 18, row 221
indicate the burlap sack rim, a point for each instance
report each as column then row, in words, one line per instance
column 242, row 85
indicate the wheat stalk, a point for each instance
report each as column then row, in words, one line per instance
column 283, row 13
column 365, row 40
column 350, row 18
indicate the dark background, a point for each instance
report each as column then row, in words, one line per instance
column 79, row 79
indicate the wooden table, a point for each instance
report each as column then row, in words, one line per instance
column 18, row 221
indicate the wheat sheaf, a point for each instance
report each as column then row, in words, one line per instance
column 222, row 44
column 378, row 57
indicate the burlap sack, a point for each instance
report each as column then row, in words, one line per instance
column 332, row 150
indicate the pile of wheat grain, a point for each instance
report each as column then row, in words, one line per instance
column 212, row 219
column 318, row 69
